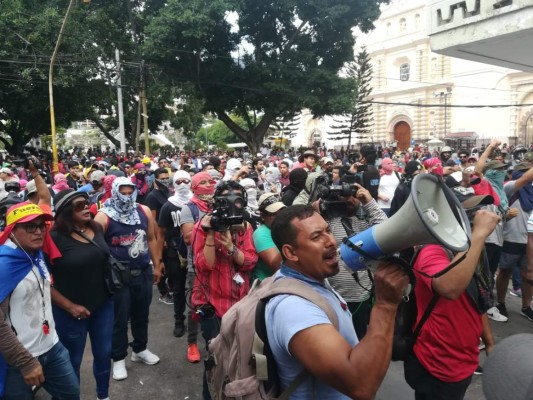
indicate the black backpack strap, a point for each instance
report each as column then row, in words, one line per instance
column 424, row 318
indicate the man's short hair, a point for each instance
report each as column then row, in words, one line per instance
column 229, row 186
column 72, row 164
column 160, row 171
column 285, row 163
column 255, row 161
column 283, row 231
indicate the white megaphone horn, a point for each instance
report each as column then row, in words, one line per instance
column 429, row 216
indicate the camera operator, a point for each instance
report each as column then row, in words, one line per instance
column 223, row 260
column 356, row 288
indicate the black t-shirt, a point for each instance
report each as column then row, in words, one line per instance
column 371, row 181
column 79, row 274
column 156, row 199
column 169, row 218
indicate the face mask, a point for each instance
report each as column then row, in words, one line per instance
column 208, row 198
column 251, row 193
column 183, row 188
column 140, row 176
column 125, row 202
column 438, row 171
column 204, row 191
column 496, row 175
column 164, row 182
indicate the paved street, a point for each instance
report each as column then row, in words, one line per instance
column 174, row 378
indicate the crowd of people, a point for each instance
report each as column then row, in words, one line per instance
column 203, row 226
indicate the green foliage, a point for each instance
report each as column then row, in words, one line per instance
column 281, row 56
column 218, row 132
column 357, row 122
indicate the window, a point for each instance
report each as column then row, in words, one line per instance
column 403, row 24
column 404, row 72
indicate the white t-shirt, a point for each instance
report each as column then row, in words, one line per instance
column 387, row 187
column 26, row 311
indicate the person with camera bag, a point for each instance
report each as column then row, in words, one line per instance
column 224, row 257
column 81, row 303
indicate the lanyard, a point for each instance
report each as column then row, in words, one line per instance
column 46, row 325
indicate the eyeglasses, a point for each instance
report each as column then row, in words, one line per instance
column 80, row 205
column 32, row 228
column 269, row 201
column 180, row 181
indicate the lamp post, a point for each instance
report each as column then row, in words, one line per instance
column 50, row 84
column 445, row 94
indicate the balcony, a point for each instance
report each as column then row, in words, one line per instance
column 497, row 32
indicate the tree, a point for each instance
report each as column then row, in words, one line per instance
column 358, row 121
column 85, row 72
column 286, row 126
column 263, row 59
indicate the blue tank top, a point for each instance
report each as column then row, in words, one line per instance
column 129, row 242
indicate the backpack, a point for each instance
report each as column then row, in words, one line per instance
column 240, row 363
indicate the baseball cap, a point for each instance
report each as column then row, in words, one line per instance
column 31, row 187
column 97, row 176
column 25, row 212
column 469, row 200
column 270, row 202
column 6, row 171
column 326, row 160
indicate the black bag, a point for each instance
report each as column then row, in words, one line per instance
column 117, row 273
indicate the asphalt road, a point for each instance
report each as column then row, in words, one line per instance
column 175, row 378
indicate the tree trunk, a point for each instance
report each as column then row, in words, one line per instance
column 106, row 133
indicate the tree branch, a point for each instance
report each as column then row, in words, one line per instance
column 291, row 41
column 106, row 132
column 236, row 129
column 246, row 117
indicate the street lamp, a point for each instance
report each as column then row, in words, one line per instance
column 445, row 94
column 50, row 84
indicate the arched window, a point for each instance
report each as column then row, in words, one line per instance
column 403, row 24
column 404, row 72
column 417, row 20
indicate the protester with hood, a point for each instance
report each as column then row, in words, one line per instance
column 251, row 191
column 271, row 183
column 60, row 183
column 174, row 251
column 130, row 233
column 434, row 166
column 233, row 166
column 297, row 179
column 155, row 200
column 140, row 181
column 203, row 189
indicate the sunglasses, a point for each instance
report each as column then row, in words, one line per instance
column 180, row 181
column 32, row 228
column 80, row 205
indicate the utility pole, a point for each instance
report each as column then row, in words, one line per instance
column 145, row 111
column 120, row 105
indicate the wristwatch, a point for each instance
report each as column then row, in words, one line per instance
column 232, row 251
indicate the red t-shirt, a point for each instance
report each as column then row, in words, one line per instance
column 447, row 346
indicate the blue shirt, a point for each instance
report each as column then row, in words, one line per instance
column 287, row 315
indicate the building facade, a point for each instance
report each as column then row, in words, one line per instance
column 419, row 94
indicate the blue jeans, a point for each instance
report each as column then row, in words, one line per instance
column 60, row 379
column 132, row 303
column 73, row 335
column 210, row 330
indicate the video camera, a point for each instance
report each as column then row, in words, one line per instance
column 331, row 204
column 227, row 212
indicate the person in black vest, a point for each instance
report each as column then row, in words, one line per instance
column 129, row 231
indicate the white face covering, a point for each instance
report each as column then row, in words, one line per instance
column 182, row 192
column 251, row 191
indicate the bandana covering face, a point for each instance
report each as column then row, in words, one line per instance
column 182, row 193
column 122, row 208
column 496, row 178
column 251, row 191
column 202, row 196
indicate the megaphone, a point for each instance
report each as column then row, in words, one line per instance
column 429, row 216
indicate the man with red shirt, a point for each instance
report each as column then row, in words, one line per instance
column 446, row 350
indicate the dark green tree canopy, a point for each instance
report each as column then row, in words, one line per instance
column 265, row 59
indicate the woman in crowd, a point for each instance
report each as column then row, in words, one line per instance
column 81, row 302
